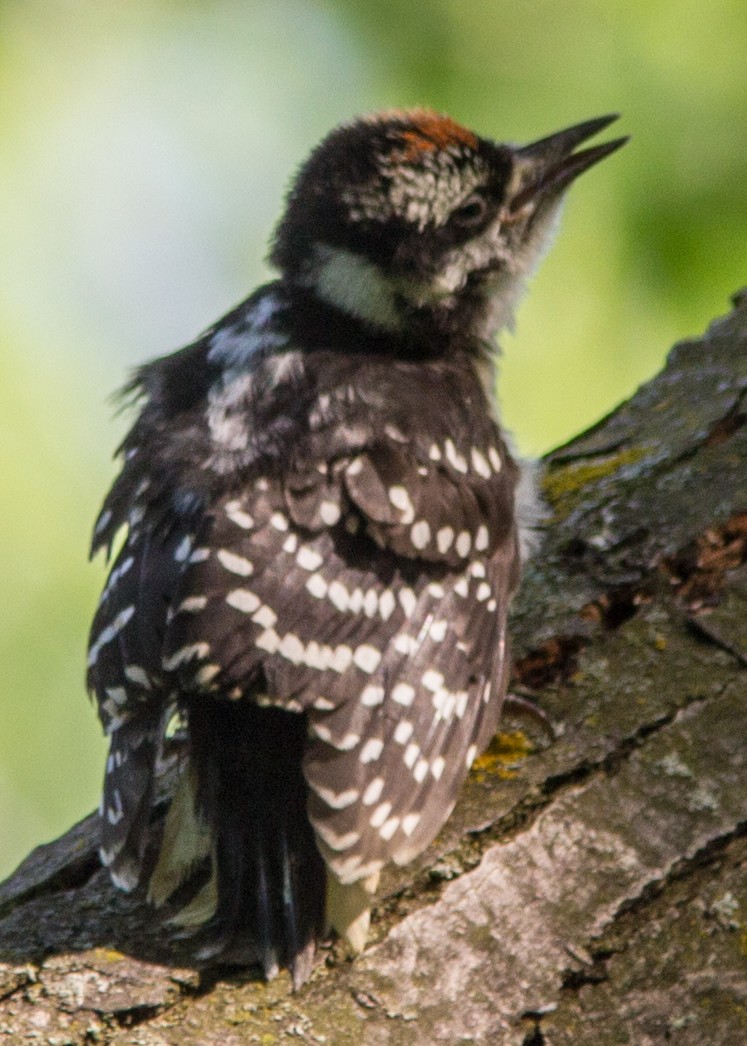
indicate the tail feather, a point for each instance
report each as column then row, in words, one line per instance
column 239, row 804
column 250, row 795
column 268, row 951
column 126, row 800
column 290, row 908
column 185, row 844
column 199, row 911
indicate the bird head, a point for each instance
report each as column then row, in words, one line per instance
column 411, row 222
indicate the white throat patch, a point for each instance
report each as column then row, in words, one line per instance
column 354, row 285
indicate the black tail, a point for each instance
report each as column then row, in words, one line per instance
column 270, row 876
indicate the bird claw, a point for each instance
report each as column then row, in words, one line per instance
column 516, row 705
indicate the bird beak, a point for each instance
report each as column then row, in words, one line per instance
column 548, row 166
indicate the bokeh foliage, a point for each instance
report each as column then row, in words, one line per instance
column 146, row 148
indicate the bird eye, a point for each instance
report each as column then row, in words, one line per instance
column 471, row 212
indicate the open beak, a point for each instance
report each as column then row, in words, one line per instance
column 549, row 165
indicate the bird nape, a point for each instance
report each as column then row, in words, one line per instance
column 322, row 542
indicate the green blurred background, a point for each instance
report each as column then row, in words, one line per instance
column 146, row 146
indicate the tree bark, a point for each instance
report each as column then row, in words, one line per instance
column 591, row 890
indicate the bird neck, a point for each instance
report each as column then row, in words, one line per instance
column 409, row 315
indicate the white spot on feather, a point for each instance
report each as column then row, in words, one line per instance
column 192, row 605
column 184, row 654
column 291, row 648
column 388, row 829
column 482, row 538
column 117, row 694
column 341, row 658
column 333, row 840
column 335, row 800
column 372, row 695
column 115, row 813
column 409, row 823
column 438, row 630
column 318, row 656
column 432, row 680
column 405, row 644
column 480, row 464
column 403, row 731
column 401, row 500
column 420, row 534
column 138, row 676
column 236, row 564
column 329, row 513
column 265, row 617
column 244, row 600
column 463, row 544
column 387, row 604
column 109, row 632
column 403, row 694
column 338, row 595
column 380, row 815
column 236, row 514
column 206, row 674
column 308, row 558
column 367, row 658
column 317, row 586
column 371, row 750
column 457, row 460
column 444, row 538
column 411, row 755
column 373, row 792
column 421, row 769
column 346, row 743
column 355, row 466
column 268, row 640
column 182, row 550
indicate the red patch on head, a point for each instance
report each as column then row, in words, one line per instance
column 430, row 131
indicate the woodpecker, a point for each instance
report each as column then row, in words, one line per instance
column 321, row 542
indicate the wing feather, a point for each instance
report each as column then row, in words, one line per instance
column 309, row 593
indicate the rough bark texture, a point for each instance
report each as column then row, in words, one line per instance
column 588, row 891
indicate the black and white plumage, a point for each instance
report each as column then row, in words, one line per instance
column 321, row 540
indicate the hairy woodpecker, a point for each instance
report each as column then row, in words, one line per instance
column 321, row 541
